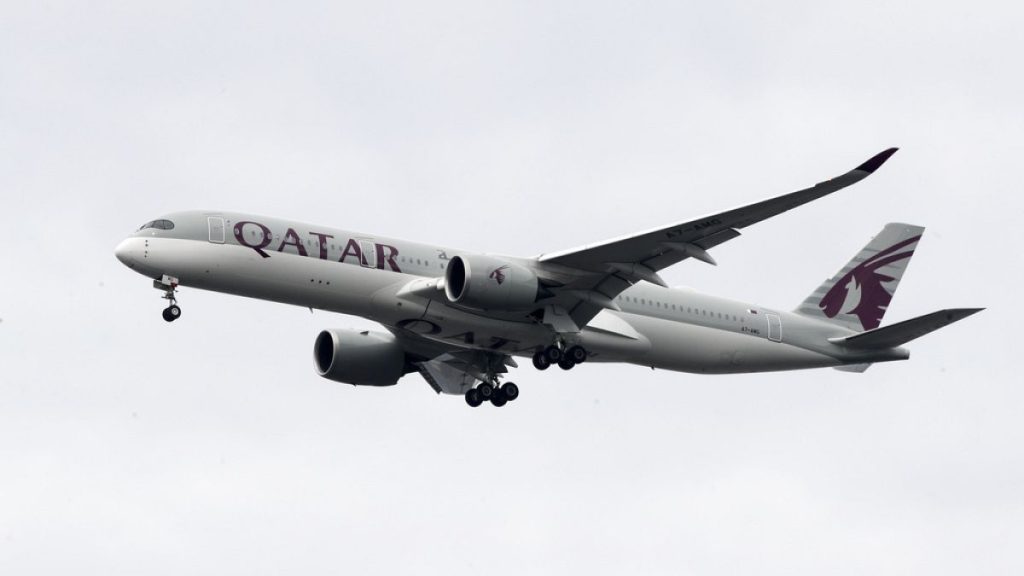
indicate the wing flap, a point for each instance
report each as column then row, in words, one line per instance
column 445, row 375
column 451, row 369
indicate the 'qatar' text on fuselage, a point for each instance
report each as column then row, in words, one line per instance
column 261, row 243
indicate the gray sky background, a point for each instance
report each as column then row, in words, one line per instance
column 128, row 446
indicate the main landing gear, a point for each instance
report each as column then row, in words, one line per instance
column 497, row 395
column 566, row 359
column 169, row 285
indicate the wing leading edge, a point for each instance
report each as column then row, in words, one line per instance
column 607, row 268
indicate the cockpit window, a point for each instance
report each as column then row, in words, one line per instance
column 158, row 224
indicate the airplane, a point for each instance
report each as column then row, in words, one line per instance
column 460, row 318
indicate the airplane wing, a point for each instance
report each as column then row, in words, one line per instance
column 593, row 275
column 453, row 373
column 450, row 369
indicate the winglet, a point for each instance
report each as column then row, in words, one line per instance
column 875, row 161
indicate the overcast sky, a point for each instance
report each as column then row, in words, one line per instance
column 210, row 446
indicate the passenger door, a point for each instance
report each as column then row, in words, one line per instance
column 216, row 224
column 774, row 327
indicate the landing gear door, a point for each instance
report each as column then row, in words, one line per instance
column 216, row 229
column 774, row 327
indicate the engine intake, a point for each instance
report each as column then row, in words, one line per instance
column 360, row 358
column 487, row 283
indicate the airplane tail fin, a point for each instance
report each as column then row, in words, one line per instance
column 859, row 294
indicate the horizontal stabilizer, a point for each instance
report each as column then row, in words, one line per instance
column 903, row 332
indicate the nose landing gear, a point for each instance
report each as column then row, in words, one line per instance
column 169, row 285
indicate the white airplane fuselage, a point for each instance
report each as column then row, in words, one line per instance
column 390, row 281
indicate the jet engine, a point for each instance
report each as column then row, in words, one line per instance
column 360, row 358
column 487, row 283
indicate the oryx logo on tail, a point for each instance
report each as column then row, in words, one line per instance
column 861, row 291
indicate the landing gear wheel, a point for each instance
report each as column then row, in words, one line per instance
column 486, row 390
column 553, row 354
column 577, row 354
column 498, row 400
column 172, row 313
column 540, row 361
column 566, row 364
column 509, row 391
column 473, row 397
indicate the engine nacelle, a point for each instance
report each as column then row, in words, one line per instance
column 488, row 283
column 361, row 358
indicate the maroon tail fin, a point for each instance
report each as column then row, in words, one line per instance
column 858, row 296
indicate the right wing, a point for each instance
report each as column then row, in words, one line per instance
column 450, row 369
column 593, row 275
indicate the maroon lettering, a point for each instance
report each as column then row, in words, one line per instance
column 291, row 238
column 387, row 256
column 264, row 236
column 352, row 249
column 322, row 240
column 392, row 252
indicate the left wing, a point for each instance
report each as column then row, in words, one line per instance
column 592, row 276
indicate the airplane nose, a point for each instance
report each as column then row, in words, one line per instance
column 125, row 252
